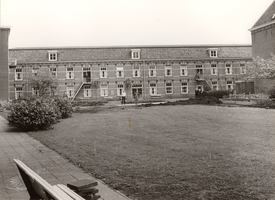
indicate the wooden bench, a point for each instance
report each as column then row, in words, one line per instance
column 39, row 189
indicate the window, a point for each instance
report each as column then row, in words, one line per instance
column 228, row 68
column 168, row 71
column 184, row 88
column 214, row 70
column 120, row 88
column 214, row 85
column 229, row 85
column 70, row 91
column 135, row 53
column 86, row 74
column 18, row 92
column 103, row 72
column 119, row 72
column 152, row 71
column 183, row 71
column 35, row 91
column 53, row 71
column 52, row 55
column 199, row 69
column 104, row 90
column 242, row 68
column 18, row 74
column 169, row 88
column 87, row 91
column 136, row 71
column 69, row 73
column 213, row 52
column 34, row 71
column 153, row 89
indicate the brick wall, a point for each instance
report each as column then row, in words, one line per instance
column 4, row 35
column 263, row 85
column 263, row 42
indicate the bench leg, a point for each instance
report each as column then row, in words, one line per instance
column 33, row 194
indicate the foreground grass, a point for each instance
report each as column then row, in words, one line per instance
column 173, row 152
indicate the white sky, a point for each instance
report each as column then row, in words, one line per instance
column 37, row 23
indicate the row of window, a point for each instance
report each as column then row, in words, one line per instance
column 136, row 71
column 135, row 54
column 70, row 91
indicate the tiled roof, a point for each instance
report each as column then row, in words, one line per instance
column 267, row 17
column 81, row 54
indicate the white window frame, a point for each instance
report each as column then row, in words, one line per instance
column 215, row 85
column 53, row 71
column 119, row 72
column 153, row 90
column 87, row 91
column 229, row 85
column 18, row 74
column 183, row 70
column 242, row 68
column 135, row 53
column 70, row 92
column 103, row 72
column 228, row 68
column 136, row 71
column 152, row 71
column 52, row 55
column 169, row 85
column 168, row 69
column 214, row 69
column 199, row 69
column 18, row 92
column 184, row 87
column 104, row 90
column 213, row 52
column 69, row 72
column 120, row 88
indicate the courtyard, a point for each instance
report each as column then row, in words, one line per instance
column 173, row 152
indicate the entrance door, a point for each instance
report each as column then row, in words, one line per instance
column 137, row 90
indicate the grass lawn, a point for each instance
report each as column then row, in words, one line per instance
column 173, row 152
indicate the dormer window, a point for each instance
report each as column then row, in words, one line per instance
column 52, row 55
column 213, row 53
column 273, row 17
column 135, row 53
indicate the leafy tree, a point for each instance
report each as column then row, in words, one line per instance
column 261, row 68
column 43, row 82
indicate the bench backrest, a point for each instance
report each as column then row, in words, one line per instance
column 37, row 187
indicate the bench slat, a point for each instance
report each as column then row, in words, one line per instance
column 69, row 192
column 38, row 184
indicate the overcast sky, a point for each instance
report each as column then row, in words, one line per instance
column 44, row 23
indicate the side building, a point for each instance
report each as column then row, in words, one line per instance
column 4, row 63
column 90, row 73
column 263, row 34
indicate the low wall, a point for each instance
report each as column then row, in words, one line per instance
column 264, row 85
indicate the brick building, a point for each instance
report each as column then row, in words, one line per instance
column 263, row 34
column 152, row 71
column 4, row 39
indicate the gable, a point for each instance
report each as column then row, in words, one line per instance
column 267, row 17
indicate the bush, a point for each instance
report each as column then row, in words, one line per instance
column 272, row 93
column 265, row 103
column 64, row 107
column 33, row 113
column 218, row 94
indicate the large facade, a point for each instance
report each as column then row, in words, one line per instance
column 90, row 73
column 4, row 39
column 263, row 34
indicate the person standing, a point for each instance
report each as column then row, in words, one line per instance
column 123, row 97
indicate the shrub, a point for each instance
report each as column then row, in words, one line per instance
column 33, row 113
column 64, row 107
column 265, row 103
column 218, row 94
column 272, row 93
